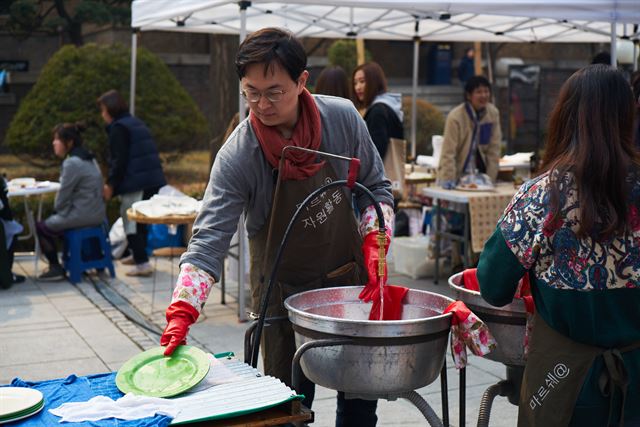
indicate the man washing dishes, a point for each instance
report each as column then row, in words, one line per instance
column 328, row 245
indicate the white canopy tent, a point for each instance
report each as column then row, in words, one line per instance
column 490, row 21
column 495, row 21
column 456, row 20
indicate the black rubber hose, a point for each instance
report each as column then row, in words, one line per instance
column 502, row 388
column 424, row 407
column 285, row 237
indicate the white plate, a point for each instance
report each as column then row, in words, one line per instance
column 22, row 182
column 16, row 399
column 22, row 417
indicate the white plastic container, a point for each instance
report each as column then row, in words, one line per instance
column 436, row 143
column 410, row 256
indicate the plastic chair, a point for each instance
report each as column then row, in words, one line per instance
column 86, row 248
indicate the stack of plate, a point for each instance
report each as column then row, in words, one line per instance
column 17, row 403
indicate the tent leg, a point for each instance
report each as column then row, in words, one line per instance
column 132, row 83
column 242, row 315
column 414, row 95
column 614, row 52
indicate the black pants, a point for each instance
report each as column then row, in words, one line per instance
column 138, row 244
column 350, row 412
column 49, row 242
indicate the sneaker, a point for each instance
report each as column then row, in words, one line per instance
column 128, row 260
column 18, row 278
column 142, row 270
column 53, row 274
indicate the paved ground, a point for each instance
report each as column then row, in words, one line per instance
column 51, row 330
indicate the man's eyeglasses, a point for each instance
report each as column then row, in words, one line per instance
column 254, row 96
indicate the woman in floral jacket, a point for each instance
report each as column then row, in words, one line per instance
column 575, row 230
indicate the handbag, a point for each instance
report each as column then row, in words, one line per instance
column 394, row 161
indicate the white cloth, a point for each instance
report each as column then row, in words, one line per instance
column 128, row 407
column 118, row 239
column 159, row 206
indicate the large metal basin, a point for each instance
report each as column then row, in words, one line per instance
column 507, row 324
column 387, row 357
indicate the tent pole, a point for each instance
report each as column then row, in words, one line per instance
column 242, row 316
column 614, row 52
column 414, row 95
column 243, row 35
column 477, row 59
column 132, row 82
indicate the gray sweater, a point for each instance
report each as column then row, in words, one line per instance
column 242, row 181
column 79, row 201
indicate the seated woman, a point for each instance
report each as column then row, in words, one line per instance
column 79, row 201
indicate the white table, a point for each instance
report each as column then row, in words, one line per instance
column 39, row 189
column 462, row 197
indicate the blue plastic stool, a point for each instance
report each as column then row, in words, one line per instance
column 84, row 249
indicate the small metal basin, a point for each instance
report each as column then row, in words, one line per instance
column 386, row 357
column 507, row 324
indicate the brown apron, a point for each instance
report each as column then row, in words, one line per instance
column 323, row 250
column 555, row 372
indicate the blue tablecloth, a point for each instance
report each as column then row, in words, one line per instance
column 79, row 389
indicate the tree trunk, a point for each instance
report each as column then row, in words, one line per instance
column 224, row 86
column 75, row 33
column 74, row 29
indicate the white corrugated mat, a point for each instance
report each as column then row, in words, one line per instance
column 231, row 388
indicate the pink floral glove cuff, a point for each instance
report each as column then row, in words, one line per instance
column 369, row 219
column 193, row 286
column 467, row 330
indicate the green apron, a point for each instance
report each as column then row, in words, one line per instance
column 555, row 372
column 323, row 250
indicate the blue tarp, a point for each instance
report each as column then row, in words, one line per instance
column 79, row 389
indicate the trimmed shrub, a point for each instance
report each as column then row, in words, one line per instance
column 345, row 54
column 430, row 121
column 72, row 80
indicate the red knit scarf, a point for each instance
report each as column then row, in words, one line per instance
column 307, row 133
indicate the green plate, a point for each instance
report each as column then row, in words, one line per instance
column 150, row 373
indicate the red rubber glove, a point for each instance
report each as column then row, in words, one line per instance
column 180, row 316
column 393, row 296
column 370, row 248
column 470, row 279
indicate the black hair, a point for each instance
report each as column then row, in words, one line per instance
column 268, row 46
column 114, row 103
column 475, row 82
column 333, row 81
column 590, row 135
column 69, row 132
column 602, row 58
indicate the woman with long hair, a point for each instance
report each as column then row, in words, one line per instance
column 575, row 230
column 382, row 110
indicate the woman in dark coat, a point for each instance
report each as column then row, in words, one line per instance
column 382, row 111
column 135, row 172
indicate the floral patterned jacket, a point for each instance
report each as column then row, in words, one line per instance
column 586, row 289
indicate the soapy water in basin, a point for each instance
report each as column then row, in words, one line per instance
column 360, row 311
